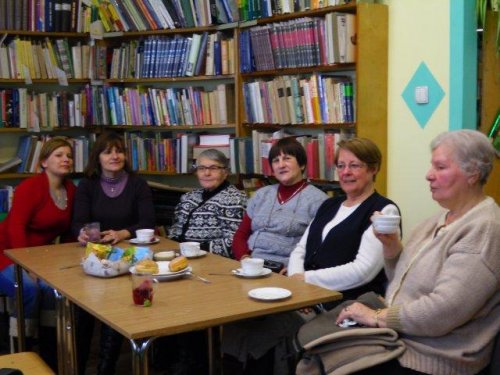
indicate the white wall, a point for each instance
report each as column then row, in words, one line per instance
column 418, row 32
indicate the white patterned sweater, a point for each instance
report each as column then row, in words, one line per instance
column 213, row 221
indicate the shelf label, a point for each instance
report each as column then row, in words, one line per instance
column 96, row 30
column 61, row 76
column 27, row 75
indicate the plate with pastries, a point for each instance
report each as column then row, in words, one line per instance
column 163, row 270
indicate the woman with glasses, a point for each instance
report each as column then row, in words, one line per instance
column 211, row 214
column 277, row 215
column 339, row 250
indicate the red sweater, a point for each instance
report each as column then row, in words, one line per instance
column 34, row 219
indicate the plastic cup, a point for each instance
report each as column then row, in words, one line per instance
column 143, row 289
column 93, row 231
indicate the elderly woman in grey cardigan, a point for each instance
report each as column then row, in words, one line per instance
column 277, row 215
column 443, row 297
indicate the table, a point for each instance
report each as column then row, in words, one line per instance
column 179, row 306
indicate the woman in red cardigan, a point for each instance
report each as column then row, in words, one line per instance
column 41, row 211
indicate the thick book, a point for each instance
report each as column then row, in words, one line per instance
column 9, row 164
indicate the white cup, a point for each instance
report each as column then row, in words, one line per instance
column 144, row 235
column 252, row 266
column 189, row 249
column 386, row 224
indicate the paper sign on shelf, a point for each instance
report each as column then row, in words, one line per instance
column 61, row 76
column 27, row 76
column 96, row 30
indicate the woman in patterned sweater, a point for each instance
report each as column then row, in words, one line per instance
column 210, row 215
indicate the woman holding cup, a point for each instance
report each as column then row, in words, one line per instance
column 121, row 203
column 41, row 211
column 443, row 296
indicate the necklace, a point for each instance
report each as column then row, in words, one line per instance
column 113, row 186
column 59, row 197
column 282, row 201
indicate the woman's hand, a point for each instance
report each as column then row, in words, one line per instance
column 363, row 315
column 298, row 276
column 83, row 237
column 391, row 242
column 114, row 236
column 283, row 271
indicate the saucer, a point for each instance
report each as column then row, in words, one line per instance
column 135, row 241
column 199, row 254
column 239, row 273
column 269, row 294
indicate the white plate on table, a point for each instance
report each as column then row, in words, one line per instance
column 135, row 241
column 269, row 294
column 199, row 254
column 239, row 273
column 164, row 274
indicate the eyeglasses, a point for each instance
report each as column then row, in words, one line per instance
column 212, row 168
column 351, row 166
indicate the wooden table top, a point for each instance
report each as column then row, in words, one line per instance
column 180, row 305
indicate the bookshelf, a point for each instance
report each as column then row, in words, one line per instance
column 368, row 74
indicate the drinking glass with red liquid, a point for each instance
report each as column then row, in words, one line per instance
column 143, row 286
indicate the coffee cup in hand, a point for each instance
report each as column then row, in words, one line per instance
column 252, row 266
column 386, row 224
column 189, row 249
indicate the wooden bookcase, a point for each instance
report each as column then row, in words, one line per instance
column 489, row 72
column 370, row 71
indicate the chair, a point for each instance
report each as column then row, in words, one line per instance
column 27, row 362
column 494, row 366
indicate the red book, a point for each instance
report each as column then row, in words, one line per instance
column 312, row 167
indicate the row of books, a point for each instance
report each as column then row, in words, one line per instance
column 141, row 15
column 315, row 99
column 255, row 9
column 161, row 56
column 36, row 111
column 29, row 147
column 6, row 196
column 47, row 15
column 171, row 106
column 301, row 42
column 250, row 155
column 97, row 105
column 163, row 152
column 51, row 59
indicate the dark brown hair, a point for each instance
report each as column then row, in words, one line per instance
column 288, row 146
column 105, row 141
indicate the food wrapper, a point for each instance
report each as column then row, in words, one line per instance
column 109, row 261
